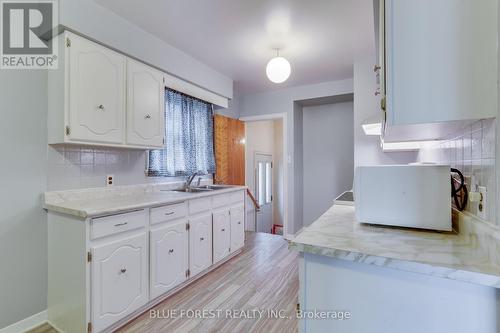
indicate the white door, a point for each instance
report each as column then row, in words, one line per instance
column 96, row 93
column 145, row 105
column 119, row 279
column 264, row 191
column 237, row 227
column 168, row 260
column 222, row 234
column 200, row 243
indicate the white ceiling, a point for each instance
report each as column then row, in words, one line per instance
column 320, row 38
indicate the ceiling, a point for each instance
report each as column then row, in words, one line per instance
column 320, row 38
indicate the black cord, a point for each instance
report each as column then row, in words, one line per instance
column 455, row 192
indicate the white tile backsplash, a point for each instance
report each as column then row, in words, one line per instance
column 75, row 167
column 472, row 151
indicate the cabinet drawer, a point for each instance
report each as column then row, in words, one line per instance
column 109, row 225
column 220, row 200
column 168, row 213
column 237, row 197
column 200, row 205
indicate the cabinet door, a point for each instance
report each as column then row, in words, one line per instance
column 441, row 60
column 200, row 243
column 237, row 227
column 222, row 234
column 96, row 93
column 119, row 279
column 145, row 105
column 169, row 261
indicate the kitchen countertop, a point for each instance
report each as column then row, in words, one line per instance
column 90, row 204
column 459, row 257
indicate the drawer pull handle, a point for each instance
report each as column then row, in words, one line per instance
column 101, row 107
column 201, row 238
column 169, row 213
column 123, row 270
column 148, row 116
column 239, row 222
column 171, row 251
column 223, row 230
column 120, row 224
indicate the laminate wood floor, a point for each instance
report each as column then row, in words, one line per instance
column 263, row 277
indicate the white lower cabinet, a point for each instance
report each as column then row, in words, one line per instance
column 222, row 234
column 119, row 279
column 104, row 270
column 237, row 227
column 168, row 257
column 200, row 243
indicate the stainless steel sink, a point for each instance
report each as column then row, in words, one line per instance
column 213, row 187
column 192, row 190
column 198, row 189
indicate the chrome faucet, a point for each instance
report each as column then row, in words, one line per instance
column 190, row 180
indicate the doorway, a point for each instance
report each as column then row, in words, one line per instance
column 265, row 174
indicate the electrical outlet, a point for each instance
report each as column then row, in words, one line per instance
column 110, row 180
column 482, row 208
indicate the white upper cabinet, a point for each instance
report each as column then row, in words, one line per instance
column 440, row 61
column 222, row 234
column 169, row 257
column 96, row 92
column 100, row 97
column 145, row 105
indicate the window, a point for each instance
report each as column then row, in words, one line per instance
column 189, row 138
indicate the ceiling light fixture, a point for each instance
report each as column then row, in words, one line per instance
column 278, row 69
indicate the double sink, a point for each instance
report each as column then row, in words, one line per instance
column 198, row 189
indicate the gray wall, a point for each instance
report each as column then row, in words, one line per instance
column 298, row 167
column 90, row 19
column 23, row 223
column 328, row 142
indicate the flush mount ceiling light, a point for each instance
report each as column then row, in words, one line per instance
column 278, row 69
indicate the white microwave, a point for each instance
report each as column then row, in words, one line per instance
column 416, row 196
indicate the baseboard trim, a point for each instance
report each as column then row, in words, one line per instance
column 27, row 323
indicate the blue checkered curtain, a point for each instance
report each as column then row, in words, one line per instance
column 189, row 144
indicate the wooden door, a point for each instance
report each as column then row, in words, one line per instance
column 119, row 280
column 145, row 105
column 96, row 93
column 200, row 243
column 169, row 260
column 222, row 237
column 229, row 142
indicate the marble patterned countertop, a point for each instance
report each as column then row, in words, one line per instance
column 97, row 202
column 454, row 256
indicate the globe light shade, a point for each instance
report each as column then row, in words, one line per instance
column 278, row 69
